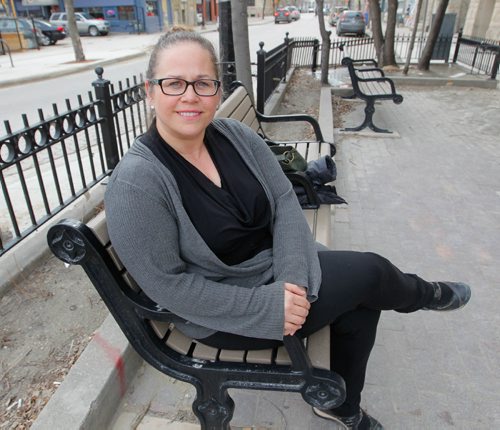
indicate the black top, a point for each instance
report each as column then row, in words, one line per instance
column 234, row 220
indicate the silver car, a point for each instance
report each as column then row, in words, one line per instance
column 85, row 23
column 351, row 22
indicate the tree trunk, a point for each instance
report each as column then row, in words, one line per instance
column 239, row 20
column 376, row 23
column 390, row 32
column 325, row 43
column 73, row 31
column 425, row 59
column 413, row 35
column 226, row 46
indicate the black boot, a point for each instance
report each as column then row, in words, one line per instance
column 449, row 296
column 360, row 421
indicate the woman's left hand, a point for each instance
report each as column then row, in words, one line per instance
column 296, row 308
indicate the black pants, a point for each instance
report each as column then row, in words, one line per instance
column 355, row 287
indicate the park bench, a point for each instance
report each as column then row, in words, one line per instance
column 370, row 84
column 298, row 366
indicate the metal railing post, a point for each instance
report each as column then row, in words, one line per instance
column 103, row 96
column 496, row 64
column 288, row 60
column 261, row 78
column 315, row 55
column 457, row 46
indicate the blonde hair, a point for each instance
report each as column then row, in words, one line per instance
column 179, row 34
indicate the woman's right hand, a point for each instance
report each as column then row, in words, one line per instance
column 296, row 308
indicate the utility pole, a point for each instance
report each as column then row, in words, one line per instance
column 226, row 46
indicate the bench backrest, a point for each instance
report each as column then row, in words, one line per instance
column 239, row 106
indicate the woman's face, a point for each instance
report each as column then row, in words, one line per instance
column 183, row 119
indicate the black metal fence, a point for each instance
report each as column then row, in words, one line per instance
column 481, row 55
column 51, row 162
column 271, row 70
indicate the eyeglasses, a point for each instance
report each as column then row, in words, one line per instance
column 177, row 87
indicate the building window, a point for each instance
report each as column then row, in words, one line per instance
column 110, row 13
column 96, row 12
column 151, row 8
column 126, row 13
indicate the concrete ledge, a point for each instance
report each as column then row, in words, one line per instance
column 366, row 132
column 443, row 82
column 19, row 260
column 277, row 96
column 93, row 388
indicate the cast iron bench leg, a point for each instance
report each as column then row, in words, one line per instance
column 368, row 122
column 213, row 406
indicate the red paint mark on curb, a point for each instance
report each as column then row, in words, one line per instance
column 114, row 355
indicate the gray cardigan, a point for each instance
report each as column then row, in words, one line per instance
column 156, row 241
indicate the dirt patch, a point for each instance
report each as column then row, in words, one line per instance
column 301, row 97
column 46, row 321
column 340, row 107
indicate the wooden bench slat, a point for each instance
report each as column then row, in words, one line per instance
column 131, row 282
column 282, row 356
column 114, row 257
column 263, row 356
column 179, row 342
column 160, row 328
column 205, row 352
column 234, row 356
column 99, row 227
column 231, row 103
column 318, row 348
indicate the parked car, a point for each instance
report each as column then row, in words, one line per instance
column 351, row 22
column 51, row 33
column 335, row 14
column 22, row 25
column 86, row 23
column 282, row 14
column 294, row 12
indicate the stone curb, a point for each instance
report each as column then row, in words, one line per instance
column 443, row 82
column 93, row 388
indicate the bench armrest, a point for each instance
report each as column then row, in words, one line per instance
column 370, row 69
column 347, row 60
column 293, row 118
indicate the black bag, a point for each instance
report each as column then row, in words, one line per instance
column 289, row 158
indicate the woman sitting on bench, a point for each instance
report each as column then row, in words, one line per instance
column 202, row 216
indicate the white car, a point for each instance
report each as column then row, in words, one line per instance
column 85, row 23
